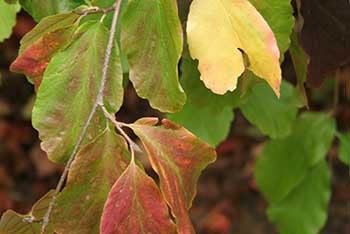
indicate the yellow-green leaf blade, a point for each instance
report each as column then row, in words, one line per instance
column 8, row 14
column 151, row 38
column 218, row 30
column 69, row 89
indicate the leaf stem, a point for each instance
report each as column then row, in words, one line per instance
column 99, row 99
column 132, row 145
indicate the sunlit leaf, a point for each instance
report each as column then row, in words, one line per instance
column 8, row 14
column 304, row 210
column 14, row 223
column 178, row 157
column 39, row 45
column 219, row 48
column 96, row 167
column 69, row 89
column 151, row 38
column 39, row 9
column 135, row 206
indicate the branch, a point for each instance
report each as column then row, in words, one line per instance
column 99, row 99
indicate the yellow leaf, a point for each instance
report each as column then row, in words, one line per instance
column 218, row 31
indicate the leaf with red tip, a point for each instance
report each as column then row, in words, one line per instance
column 135, row 206
column 178, row 157
column 39, row 45
column 97, row 166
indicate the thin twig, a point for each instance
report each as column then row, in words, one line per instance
column 95, row 10
column 132, row 145
column 99, row 99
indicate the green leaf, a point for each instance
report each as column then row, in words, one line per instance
column 151, row 38
column 206, row 114
column 39, row 45
column 284, row 163
column 304, row 210
column 14, row 223
column 279, row 15
column 8, row 14
column 39, row 9
column 178, row 157
column 135, row 205
column 95, row 169
column 273, row 116
column 69, row 89
column 344, row 148
column 228, row 36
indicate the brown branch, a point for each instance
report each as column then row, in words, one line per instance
column 99, row 99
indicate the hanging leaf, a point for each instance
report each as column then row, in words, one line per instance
column 151, row 38
column 69, row 89
column 325, row 36
column 178, row 157
column 135, row 206
column 284, row 163
column 39, row 9
column 95, row 169
column 274, row 117
column 219, row 49
column 14, row 223
column 39, row 45
column 205, row 114
column 304, row 210
column 8, row 14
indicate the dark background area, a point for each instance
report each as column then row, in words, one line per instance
column 227, row 200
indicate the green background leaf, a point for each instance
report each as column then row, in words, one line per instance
column 8, row 14
column 344, row 148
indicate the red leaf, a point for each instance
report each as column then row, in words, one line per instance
column 135, row 206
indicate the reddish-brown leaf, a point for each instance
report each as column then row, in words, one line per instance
column 178, row 157
column 135, row 206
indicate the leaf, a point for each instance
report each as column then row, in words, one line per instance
column 136, row 206
column 206, row 114
column 274, row 117
column 14, row 223
column 44, row 41
column 304, row 210
column 178, row 157
column 284, row 163
column 39, row 9
column 279, row 15
column 219, row 49
column 151, row 38
column 96, row 167
column 69, row 89
column 8, row 18
column 325, row 37
column 344, row 148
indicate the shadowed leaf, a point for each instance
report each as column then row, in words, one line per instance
column 218, row 49
column 178, row 157
column 96, row 167
column 344, row 148
column 14, row 223
column 151, row 38
column 135, row 206
column 69, row 89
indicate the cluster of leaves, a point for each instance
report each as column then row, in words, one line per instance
column 107, row 189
